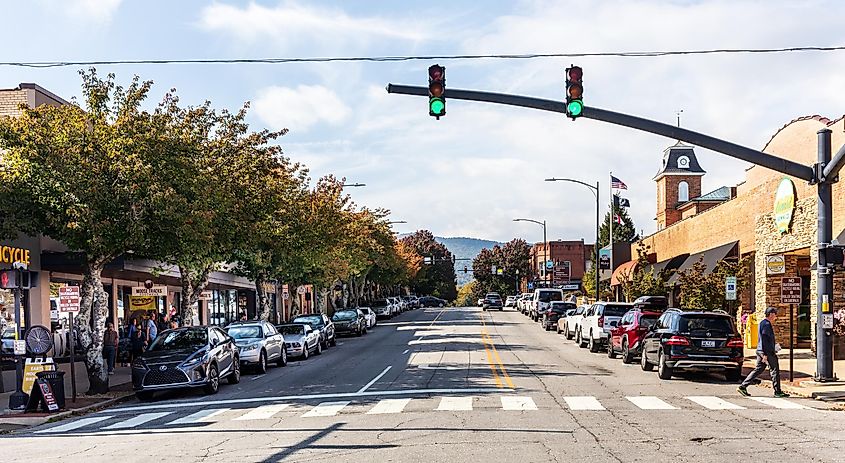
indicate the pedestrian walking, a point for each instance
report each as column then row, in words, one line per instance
column 110, row 342
column 151, row 329
column 766, row 356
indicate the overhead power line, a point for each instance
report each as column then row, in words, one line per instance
column 619, row 54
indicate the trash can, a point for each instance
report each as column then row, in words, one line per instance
column 57, row 384
column 751, row 329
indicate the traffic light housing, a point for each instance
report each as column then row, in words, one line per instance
column 574, row 92
column 465, row 270
column 436, row 91
column 9, row 279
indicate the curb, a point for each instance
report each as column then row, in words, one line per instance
column 75, row 412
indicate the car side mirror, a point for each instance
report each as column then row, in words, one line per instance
column 214, row 342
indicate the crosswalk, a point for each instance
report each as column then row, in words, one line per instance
column 505, row 403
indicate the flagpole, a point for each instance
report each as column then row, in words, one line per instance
column 612, row 219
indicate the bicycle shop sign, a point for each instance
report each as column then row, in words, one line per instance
column 12, row 255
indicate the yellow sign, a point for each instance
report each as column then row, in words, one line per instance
column 142, row 303
column 784, row 205
column 775, row 265
column 30, row 369
column 10, row 255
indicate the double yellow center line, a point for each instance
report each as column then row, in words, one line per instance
column 493, row 358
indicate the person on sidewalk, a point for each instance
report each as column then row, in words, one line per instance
column 110, row 342
column 766, row 355
column 151, row 329
column 137, row 339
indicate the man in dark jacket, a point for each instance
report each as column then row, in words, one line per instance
column 766, row 355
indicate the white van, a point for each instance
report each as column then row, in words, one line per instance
column 542, row 300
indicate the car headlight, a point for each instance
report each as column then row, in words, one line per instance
column 195, row 360
column 250, row 347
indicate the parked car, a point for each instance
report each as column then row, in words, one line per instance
column 523, row 302
column 556, row 311
column 395, row 308
column 350, row 321
column 510, row 301
column 572, row 321
column 480, row 302
column 196, row 356
column 8, row 340
column 382, row 308
column 492, row 301
column 541, row 300
column 561, row 321
column 259, row 344
column 693, row 341
column 369, row 316
column 431, row 301
column 599, row 319
column 300, row 339
column 323, row 325
column 626, row 338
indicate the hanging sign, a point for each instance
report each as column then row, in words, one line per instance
column 142, row 303
column 784, row 205
column 158, row 291
column 775, row 265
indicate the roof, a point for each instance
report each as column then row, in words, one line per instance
column 824, row 120
column 710, row 258
column 718, row 195
column 624, row 270
column 671, row 166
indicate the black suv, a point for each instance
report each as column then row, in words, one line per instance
column 693, row 340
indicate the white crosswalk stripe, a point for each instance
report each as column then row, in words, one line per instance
column 262, row 413
column 650, row 403
column 202, row 416
column 583, row 403
column 518, row 403
column 326, row 409
column 81, row 423
column 137, row 420
column 455, row 403
column 389, row 406
column 715, row 403
column 778, row 403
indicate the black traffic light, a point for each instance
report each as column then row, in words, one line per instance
column 574, row 91
column 465, row 269
column 436, row 90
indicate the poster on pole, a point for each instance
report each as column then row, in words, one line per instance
column 730, row 288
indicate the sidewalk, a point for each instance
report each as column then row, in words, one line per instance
column 120, row 387
column 804, row 367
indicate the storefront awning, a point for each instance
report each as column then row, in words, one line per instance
column 623, row 271
column 710, row 258
column 668, row 264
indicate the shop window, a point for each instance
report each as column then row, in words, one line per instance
column 683, row 192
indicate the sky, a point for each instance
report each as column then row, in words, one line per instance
column 479, row 167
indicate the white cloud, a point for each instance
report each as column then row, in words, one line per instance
column 98, row 11
column 299, row 108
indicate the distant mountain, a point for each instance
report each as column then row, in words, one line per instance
column 465, row 248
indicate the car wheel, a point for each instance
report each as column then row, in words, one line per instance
column 579, row 339
column 594, row 346
column 261, row 368
column 733, row 375
column 319, row 349
column 283, row 359
column 645, row 364
column 235, row 376
column 305, row 352
column 442, row 305
column 611, row 352
column 627, row 356
column 558, row 329
column 663, row 370
column 334, row 341
column 213, row 384
column 144, row 396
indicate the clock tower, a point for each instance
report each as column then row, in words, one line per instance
column 678, row 181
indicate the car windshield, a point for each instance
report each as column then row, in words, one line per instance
column 313, row 320
column 244, row 332
column 180, row 340
column 703, row 323
column 344, row 315
column 549, row 296
column 291, row 329
column 615, row 310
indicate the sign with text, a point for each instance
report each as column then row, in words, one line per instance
column 604, row 259
column 784, row 205
column 775, row 265
column 730, row 288
column 30, row 370
column 142, row 303
column 790, row 290
column 205, row 296
column 155, row 291
column 69, row 299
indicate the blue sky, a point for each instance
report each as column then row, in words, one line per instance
column 473, row 171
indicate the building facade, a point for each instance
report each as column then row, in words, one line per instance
column 569, row 262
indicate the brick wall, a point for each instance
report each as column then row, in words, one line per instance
column 10, row 101
column 667, row 197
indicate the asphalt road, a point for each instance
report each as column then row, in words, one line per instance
column 449, row 385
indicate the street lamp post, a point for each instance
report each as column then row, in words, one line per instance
column 595, row 190
column 396, row 221
column 353, row 184
column 545, row 242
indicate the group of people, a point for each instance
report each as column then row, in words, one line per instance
column 142, row 332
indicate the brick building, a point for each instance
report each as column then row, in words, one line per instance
column 570, row 260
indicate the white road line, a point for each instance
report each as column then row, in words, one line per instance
column 256, row 377
column 326, row 409
column 385, row 406
column 406, row 351
column 455, row 403
column 778, row 403
column 137, row 420
column 367, row 386
column 202, row 416
column 199, row 403
column 650, row 403
column 81, row 423
column 583, row 403
column 262, row 413
column 715, row 403
column 518, row 403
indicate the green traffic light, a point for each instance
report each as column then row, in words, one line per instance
column 574, row 108
column 436, row 106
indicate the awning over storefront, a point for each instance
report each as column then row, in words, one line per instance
column 710, row 258
column 623, row 271
column 668, row 264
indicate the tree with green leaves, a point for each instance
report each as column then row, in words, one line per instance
column 438, row 277
column 642, row 280
column 706, row 291
column 622, row 232
column 514, row 258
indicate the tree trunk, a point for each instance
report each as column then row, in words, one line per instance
column 261, row 297
column 93, row 306
column 194, row 283
column 321, row 301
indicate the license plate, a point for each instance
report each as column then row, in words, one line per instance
column 708, row 343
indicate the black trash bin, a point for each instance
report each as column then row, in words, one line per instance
column 57, row 383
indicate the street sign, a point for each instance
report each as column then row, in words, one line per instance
column 159, row 291
column 550, row 264
column 775, row 265
column 493, row 269
column 20, row 347
column 790, row 290
column 730, row 288
column 827, row 321
column 69, row 299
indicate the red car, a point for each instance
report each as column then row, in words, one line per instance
column 626, row 338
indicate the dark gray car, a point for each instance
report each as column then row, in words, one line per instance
column 321, row 323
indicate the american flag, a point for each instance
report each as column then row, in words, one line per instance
column 617, row 184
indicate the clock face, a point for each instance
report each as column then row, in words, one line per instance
column 683, row 162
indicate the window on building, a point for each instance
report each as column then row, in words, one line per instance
column 683, row 192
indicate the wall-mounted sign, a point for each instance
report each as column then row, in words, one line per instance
column 269, row 288
column 157, row 291
column 10, row 255
column 784, row 205
column 775, row 265
column 142, row 303
column 205, row 296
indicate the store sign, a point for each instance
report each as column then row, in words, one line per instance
column 269, row 288
column 205, row 296
column 784, row 205
column 142, row 303
column 10, row 255
column 69, row 299
column 775, row 265
column 156, row 291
